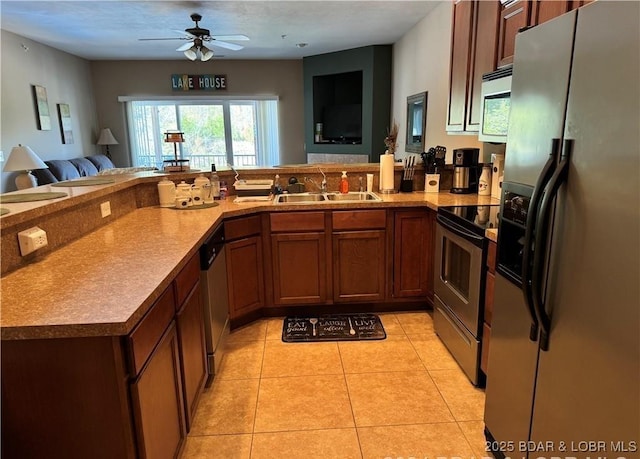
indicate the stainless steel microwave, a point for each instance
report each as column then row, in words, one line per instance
column 496, row 102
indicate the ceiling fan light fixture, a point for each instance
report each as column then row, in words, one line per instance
column 205, row 53
column 191, row 53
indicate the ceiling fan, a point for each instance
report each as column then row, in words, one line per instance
column 197, row 36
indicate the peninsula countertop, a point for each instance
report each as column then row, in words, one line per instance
column 103, row 283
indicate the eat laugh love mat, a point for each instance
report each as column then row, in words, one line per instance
column 333, row 327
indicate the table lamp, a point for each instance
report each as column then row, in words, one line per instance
column 23, row 158
column 107, row 138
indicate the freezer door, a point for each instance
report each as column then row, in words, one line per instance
column 588, row 382
column 538, row 97
column 511, row 370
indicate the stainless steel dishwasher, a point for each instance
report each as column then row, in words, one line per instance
column 215, row 300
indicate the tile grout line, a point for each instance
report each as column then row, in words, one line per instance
column 346, row 384
column 255, row 413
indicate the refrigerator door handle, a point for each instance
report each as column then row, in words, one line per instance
column 544, row 215
column 527, row 261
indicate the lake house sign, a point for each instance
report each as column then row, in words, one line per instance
column 198, row 82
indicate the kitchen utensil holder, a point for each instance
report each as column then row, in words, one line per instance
column 406, row 186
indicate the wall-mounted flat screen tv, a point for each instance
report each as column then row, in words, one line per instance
column 343, row 122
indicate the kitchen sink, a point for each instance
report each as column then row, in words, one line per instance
column 299, row 198
column 315, row 198
column 353, row 196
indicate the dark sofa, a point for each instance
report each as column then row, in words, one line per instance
column 69, row 169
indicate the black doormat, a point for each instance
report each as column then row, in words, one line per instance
column 332, row 327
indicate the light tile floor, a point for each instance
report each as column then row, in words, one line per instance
column 397, row 398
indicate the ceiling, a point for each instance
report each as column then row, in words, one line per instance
column 107, row 30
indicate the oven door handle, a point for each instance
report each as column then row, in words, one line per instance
column 541, row 239
column 529, row 237
column 459, row 230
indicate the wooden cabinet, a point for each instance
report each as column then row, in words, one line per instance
column 544, row 10
column 190, row 325
column 142, row 387
column 299, row 264
column 359, row 255
column 299, row 258
column 245, row 279
column 358, row 265
column 413, row 244
column 513, row 16
column 474, row 42
column 516, row 14
column 488, row 305
column 158, row 407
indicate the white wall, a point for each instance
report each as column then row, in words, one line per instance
column 67, row 80
column 421, row 63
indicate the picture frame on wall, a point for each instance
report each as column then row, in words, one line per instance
column 64, row 115
column 42, row 107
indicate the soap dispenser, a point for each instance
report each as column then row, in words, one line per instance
column 344, row 183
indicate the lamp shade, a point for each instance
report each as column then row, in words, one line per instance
column 23, row 158
column 107, row 138
column 191, row 53
column 205, row 53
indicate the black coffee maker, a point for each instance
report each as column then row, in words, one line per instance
column 465, row 170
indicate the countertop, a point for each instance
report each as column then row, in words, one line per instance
column 103, row 283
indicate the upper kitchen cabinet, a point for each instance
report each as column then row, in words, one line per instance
column 474, row 41
column 347, row 101
column 516, row 14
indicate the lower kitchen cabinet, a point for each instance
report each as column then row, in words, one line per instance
column 299, row 266
column 245, row 271
column 413, row 244
column 359, row 255
column 298, row 258
column 158, row 406
column 190, row 327
column 359, row 265
column 109, row 396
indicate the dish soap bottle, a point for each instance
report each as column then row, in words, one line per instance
column 215, row 183
column 344, row 183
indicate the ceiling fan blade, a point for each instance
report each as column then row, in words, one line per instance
column 155, row 39
column 230, row 37
column 185, row 47
column 184, row 32
column 224, row 44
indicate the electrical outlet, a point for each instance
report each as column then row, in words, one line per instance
column 31, row 240
column 105, row 209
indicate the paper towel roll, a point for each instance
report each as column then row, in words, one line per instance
column 386, row 173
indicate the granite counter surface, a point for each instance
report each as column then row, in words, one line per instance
column 103, row 283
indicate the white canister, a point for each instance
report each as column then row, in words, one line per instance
column 484, row 185
column 183, row 190
column 431, row 183
column 196, row 195
column 182, row 202
column 166, row 192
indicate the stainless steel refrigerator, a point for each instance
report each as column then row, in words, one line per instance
column 564, row 358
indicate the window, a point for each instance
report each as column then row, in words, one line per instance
column 235, row 132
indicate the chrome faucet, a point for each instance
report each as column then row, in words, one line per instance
column 322, row 188
column 323, row 185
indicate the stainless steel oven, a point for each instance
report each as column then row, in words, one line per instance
column 459, row 277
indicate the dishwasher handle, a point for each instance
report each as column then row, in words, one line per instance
column 211, row 248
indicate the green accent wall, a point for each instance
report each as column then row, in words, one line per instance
column 375, row 64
